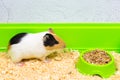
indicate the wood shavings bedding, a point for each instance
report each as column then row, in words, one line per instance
column 61, row 66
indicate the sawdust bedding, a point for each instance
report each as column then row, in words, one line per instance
column 59, row 66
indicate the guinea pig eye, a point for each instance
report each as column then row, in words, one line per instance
column 49, row 40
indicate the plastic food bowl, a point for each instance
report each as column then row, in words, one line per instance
column 104, row 70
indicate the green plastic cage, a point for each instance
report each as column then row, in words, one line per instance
column 76, row 35
column 80, row 36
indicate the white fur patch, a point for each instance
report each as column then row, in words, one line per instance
column 31, row 46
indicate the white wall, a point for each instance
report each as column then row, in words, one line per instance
column 59, row 10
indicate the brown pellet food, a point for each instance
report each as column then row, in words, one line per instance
column 97, row 56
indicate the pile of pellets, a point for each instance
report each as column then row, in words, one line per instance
column 97, row 57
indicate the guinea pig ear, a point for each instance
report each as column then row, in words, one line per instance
column 50, row 30
column 49, row 40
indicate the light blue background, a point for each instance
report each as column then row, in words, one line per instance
column 59, row 10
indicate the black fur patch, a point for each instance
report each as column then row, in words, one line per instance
column 17, row 38
column 49, row 40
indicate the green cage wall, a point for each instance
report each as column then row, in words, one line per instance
column 76, row 35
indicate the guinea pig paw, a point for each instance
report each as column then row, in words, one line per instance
column 46, row 60
column 21, row 64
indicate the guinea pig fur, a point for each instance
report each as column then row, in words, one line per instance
column 34, row 45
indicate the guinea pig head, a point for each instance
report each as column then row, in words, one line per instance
column 52, row 41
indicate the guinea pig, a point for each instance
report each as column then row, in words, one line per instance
column 34, row 45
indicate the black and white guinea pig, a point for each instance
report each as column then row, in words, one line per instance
column 34, row 45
